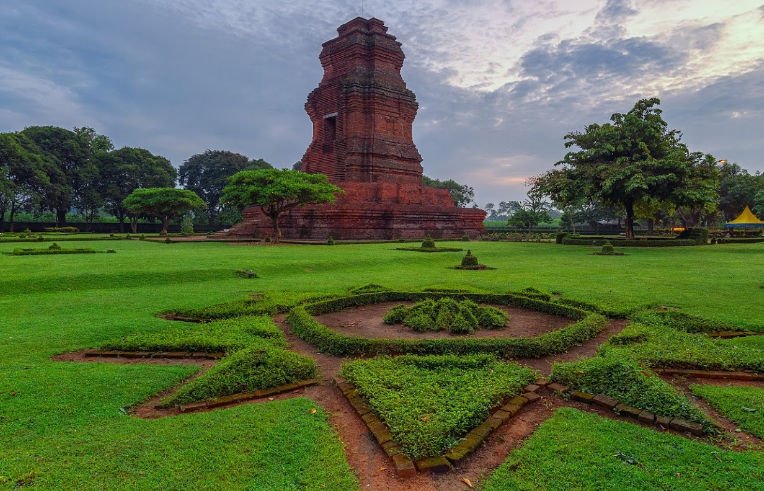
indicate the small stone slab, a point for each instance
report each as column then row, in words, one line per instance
column 664, row 421
column 582, row 396
column 685, row 426
column 646, row 417
column 511, row 408
column 345, row 387
column 404, row 466
column 541, row 382
column 502, row 415
column 434, row 464
column 531, row 396
column 559, row 388
column 391, row 448
column 380, row 432
column 604, row 401
column 626, row 410
column 494, row 422
column 532, row 388
column 518, row 401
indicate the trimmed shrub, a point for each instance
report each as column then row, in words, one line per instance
column 186, row 225
column 43, row 252
column 681, row 321
column 301, row 319
column 54, row 247
column 446, row 314
column 586, row 241
column 560, row 237
column 607, row 248
column 699, row 235
column 430, row 402
column 428, row 243
column 625, row 380
column 67, row 230
column 369, row 288
column 469, row 260
column 247, row 370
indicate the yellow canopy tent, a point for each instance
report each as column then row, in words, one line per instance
column 746, row 220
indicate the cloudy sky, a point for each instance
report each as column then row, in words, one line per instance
column 499, row 82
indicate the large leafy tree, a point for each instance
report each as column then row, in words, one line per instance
column 529, row 213
column 278, row 190
column 127, row 169
column 207, row 174
column 632, row 158
column 738, row 189
column 23, row 176
column 162, row 203
column 463, row 195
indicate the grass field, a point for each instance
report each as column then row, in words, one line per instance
column 62, row 424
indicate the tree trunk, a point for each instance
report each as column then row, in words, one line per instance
column 629, row 220
column 12, row 217
column 650, row 225
column 60, row 217
column 2, row 218
column 134, row 224
column 165, row 223
column 276, row 230
column 121, row 218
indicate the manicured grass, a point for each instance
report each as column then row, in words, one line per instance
column 743, row 405
column 62, row 421
column 430, row 402
column 576, row 450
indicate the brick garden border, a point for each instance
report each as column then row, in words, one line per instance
column 607, row 402
column 201, row 355
column 405, row 466
column 712, row 374
column 241, row 397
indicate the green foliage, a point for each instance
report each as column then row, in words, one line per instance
column 607, row 248
column 223, row 336
column 187, row 225
column 246, row 273
column 51, row 251
column 369, row 288
column 578, row 450
column 743, row 405
column 469, row 261
column 65, row 230
column 585, row 241
column 54, row 247
column 666, row 347
column 330, row 341
column 623, row 379
column 247, row 370
column 277, row 190
column 560, row 237
column 680, row 321
column 699, row 235
column 447, row 314
column 207, row 174
column 428, row 243
column 162, row 203
column 430, row 402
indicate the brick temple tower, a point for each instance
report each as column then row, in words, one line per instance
column 362, row 113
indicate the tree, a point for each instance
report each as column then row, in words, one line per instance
column 207, row 174
column 619, row 164
column 738, row 189
column 127, row 169
column 530, row 213
column 23, row 175
column 462, row 194
column 162, row 203
column 278, row 190
column 758, row 203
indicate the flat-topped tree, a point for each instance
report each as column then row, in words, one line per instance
column 278, row 190
column 162, row 203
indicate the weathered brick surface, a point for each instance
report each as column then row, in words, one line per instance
column 663, row 421
column 531, row 388
column 531, row 396
column 362, row 115
column 605, row 401
column 626, row 410
column 646, row 417
column 434, row 464
column 557, row 387
column 404, row 466
column 582, row 396
column 685, row 426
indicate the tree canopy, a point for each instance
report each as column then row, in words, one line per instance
column 278, row 190
column 162, row 203
column 633, row 158
column 207, row 174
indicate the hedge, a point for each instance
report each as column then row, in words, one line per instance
column 681, row 321
column 739, row 240
column 327, row 340
column 630, row 243
column 44, row 252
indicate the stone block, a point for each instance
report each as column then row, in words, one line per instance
column 531, row 388
column 502, row 415
column 494, row 422
column 646, row 417
column 518, row 401
column 626, row 410
column 458, row 452
column 531, row 396
column 558, row 388
column 391, row 448
column 604, row 401
column 663, row 421
column 685, row 426
column 404, row 466
column 434, row 464
column 582, row 396
column 511, row 408
column 380, row 432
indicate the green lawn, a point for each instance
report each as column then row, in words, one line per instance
column 576, row 450
column 743, row 405
column 61, row 424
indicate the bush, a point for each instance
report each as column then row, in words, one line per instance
column 111, row 251
column 624, row 380
column 187, row 225
column 67, row 230
column 469, row 260
column 699, row 235
column 560, row 237
column 54, row 247
column 430, row 402
column 588, row 241
column 446, row 314
column 247, row 370
column 246, row 273
column 681, row 321
column 369, row 288
column 49, row 251
column 330, row 240
column 428, row 243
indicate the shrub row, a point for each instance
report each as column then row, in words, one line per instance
column 739, row 240
column 624, row 380
column 581, row 241
column 430, row 402
column 268, row 304
column 681, row 321
column 43, row 252
column 329, row 341
column 66, row 230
